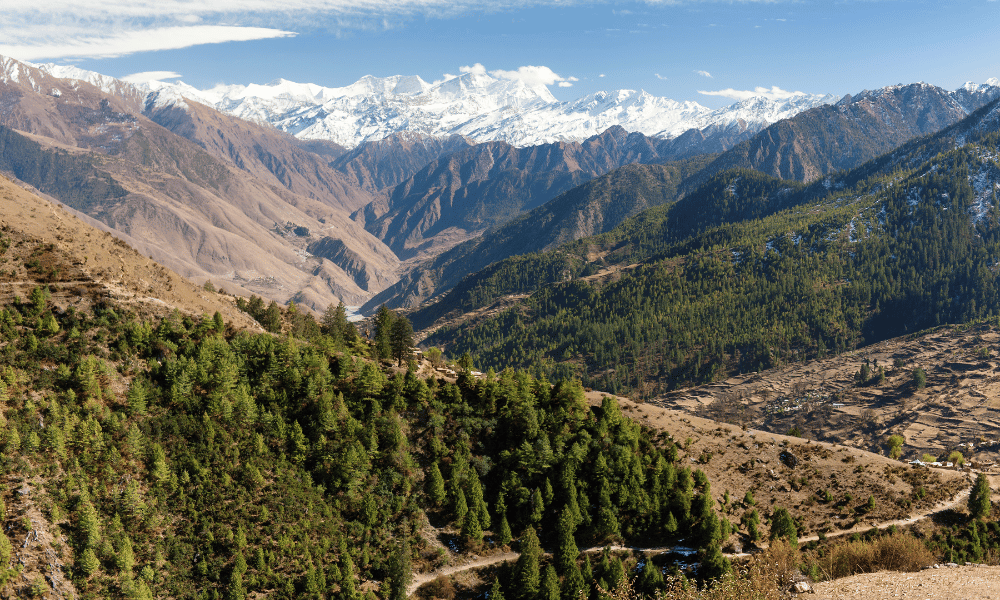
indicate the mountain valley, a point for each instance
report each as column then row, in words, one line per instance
column 618, row 347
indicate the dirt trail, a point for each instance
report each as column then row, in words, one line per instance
column 958, row 499
column 420, row 579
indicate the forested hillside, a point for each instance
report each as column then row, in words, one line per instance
column 749, row 272
column 183, row 458
column 592, row 208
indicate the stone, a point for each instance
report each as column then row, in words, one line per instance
column 801, row 587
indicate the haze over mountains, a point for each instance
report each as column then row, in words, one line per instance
column 393, row 189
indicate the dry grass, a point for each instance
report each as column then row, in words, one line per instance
column 764, row 577
column 895, row 552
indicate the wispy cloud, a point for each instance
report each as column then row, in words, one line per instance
column 121, row 43
column 774, row 93
column 704, row 74
column 660, row 77
column 147, row 76
column 35, row 29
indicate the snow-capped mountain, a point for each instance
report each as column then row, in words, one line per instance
column 476, row 105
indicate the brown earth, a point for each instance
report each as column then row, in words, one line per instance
column 794, row 473
column 960, row 404
column 40, row 551
column 955, row 583
column 45, row 244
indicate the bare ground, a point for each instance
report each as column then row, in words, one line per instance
column 956, row 583
column 960, row 403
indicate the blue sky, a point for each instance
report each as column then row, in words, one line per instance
column 675, row 48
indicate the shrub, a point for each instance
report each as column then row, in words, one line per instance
column 896, row 552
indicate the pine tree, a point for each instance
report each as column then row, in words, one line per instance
column 587, row 570
column 137, row 397
column 401, row 339
column 471, row 530
column 435, row 486
column 125, row 557
column 383, row 328
column 670, row 527
column 88, row 562
column 475, row 499
column 526, row 576
column 573, row 583
column 549, row 589
column 347, row 585
column 566, row 549
column 504, row 535
column 495, row 592
column 607, row 520
column 537, row 507
column 236, row 590
column 461, row 506
column 980, row 505
column 706, row 527
column 714, row 565
column 651, row 579
column 400, row 571
column 271, row 319
column 783, row 526
column 88, row 525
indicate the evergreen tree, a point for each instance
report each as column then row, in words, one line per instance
column 783, row 526
column 475, row 499
column 651, row 579
column 400, row 571
column 88, row 562
column 550, row 585
column 980, row 504
column 383, row 332
column 714, row 565
column 461, row 507
column 566, row 549
column 89, row 525
column 401, row 339
column 348, row 589
column 607, row 519
column 271, row 319
column 504, row 535
column 471, row 530
column 526, row 577
column 435, row 485
column 236, row 590
column 125, row 557
column 495, row 592
column 573, row 583
column 537, row 507
column 706, row 527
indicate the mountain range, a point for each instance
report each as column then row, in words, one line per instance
column 476, row 105
column 370, row 193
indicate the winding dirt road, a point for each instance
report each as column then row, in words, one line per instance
column 420, row 579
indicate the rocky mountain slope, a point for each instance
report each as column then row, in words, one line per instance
column 588, row 209
column 209, row 195
column 856, row 129
column 459, row 196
